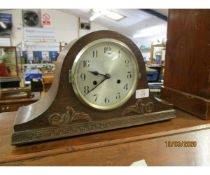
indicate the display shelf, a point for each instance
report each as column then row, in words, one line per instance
column 8, row 105
column 155, row 88
column 8, row 62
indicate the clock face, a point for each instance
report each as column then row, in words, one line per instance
column 105, row 74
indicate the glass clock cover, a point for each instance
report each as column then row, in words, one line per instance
column 105, row 74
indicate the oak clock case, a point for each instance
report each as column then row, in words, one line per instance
column 95, row 89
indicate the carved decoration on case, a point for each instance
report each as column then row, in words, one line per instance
column 57, row 119
column 140, row 107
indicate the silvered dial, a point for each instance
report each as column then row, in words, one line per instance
column 105, row 74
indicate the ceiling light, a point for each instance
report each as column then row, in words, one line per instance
column 96, row 14
column 113, row 15
column 107, row 13
column 3, row 25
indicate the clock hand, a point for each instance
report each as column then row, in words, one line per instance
column 107, row 76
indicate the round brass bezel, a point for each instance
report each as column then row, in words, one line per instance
column 74, row 75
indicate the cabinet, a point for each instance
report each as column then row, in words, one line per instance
column 187, row 67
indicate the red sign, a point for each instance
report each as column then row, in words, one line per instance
column 46, row 19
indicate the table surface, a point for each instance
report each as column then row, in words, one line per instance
column 119, row 147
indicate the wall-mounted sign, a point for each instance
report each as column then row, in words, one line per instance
column 39, row 34
column 5, row 24
column 46, row 19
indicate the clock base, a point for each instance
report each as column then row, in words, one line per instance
column 51, row 133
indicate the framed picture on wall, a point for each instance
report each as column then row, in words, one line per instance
column 5, row 24
column 8, row 62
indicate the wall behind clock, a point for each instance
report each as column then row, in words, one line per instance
column 64, row 25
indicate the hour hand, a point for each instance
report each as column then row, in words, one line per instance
column 107, row 76
column 94, row 72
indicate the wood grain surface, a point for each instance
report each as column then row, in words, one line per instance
column 187, row 67
column 120, row 147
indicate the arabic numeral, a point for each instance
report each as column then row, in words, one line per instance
column 82, row 76
column 107, row 50
column 86, row 63
column 96, row 97
column 86, row 89
column 118, row 96
column 129, row 75
column 125, row 87
column 106, row 100
column 127, row 62
column 119, row 53
column 95, row 54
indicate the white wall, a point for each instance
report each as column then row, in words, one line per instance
column 94, row 27
column 65, row 26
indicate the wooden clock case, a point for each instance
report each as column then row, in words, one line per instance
column 61, row 114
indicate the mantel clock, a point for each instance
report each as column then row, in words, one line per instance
column 100, row 85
